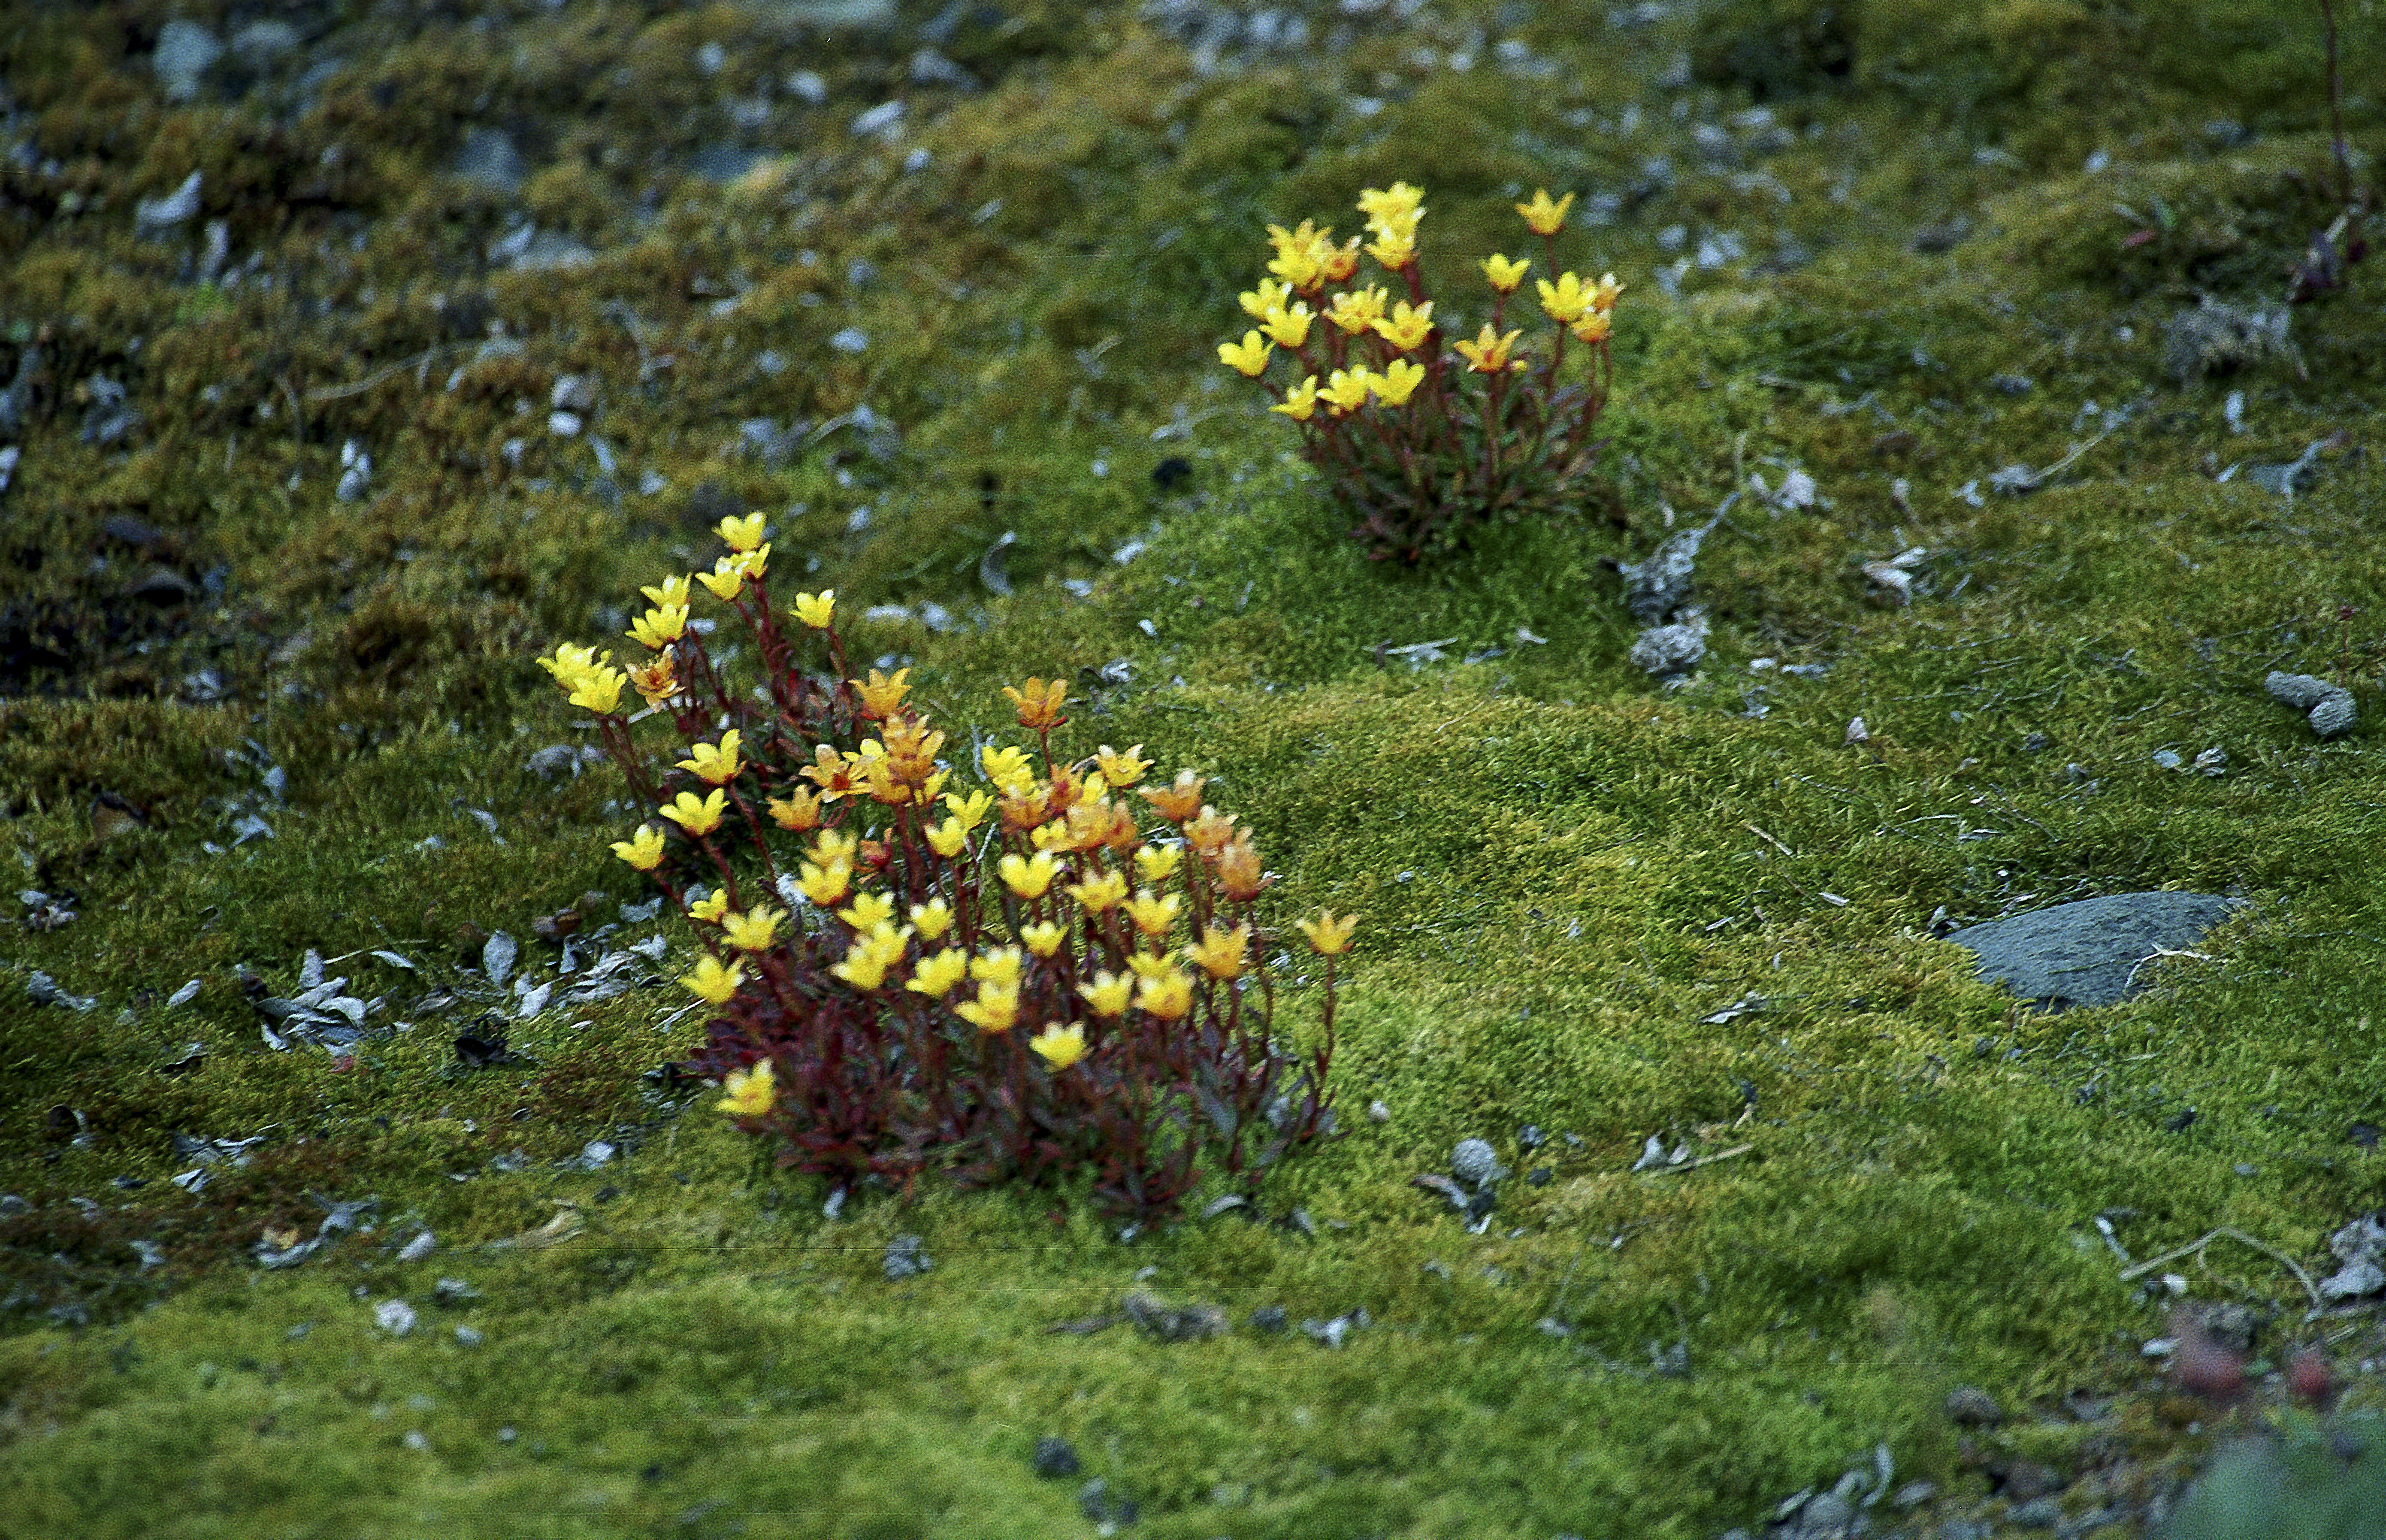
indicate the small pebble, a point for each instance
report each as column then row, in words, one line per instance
column 1055, row 1457
column 1476, row 1162
column 1973, row 1408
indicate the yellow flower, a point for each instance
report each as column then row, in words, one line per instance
column 1109, row 993
column 995, row 1008
column 1155, row 864
column 751, row 565
column 1270, row 295
column 798, row 811
column 825, row 884
column 830, row 845
column 949, row 838
column 1059, row 1045
column 999, row 966
column 1504, row 275
column 755, row 930
column 1335, row 264
column 817, row 610
column 972, row 810
column 1169, row 996
column 867, row 912
column 1026, row 877
column 1099, row 894
column 1594, row 327
column 1250, row 357
column 1396, row 384
column 697, row 817
column 1390, row 205
column 1152, row 913
column 931, row 918
column 1208, row 834
column 1177, row 802
column 1395, row 249
column 1121, row 770
column 713, row 983
column 1354, row 311
column 1221, row 953
column 1150, row 965
column 656, row 682
column 935, row 976
column 643, row 849
column 1040, row 705
column 1239, row 868
column 1488, row 354
column 673, row 592
column 660, row 628
column 1345, row 392
column 881, row 696
column 1407, row 326
column 1299, row 254
column 1300, row 404
column 1541, row 216
column 1565, row 300
column 726, row 580
column 600, row 692
column 714, row 765
column 1044, row 939
column 1287, row 327
column 740, row 534
column 862, row 967
column 1602, row 295
column 751, row 1092
column 1328, row 936
column 709, row 908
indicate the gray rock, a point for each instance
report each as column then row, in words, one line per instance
column 262, row 44
column 1477, row 1163
column 1659, row 582
column 186, row 51
column 904, row 1258
column 1827, row 1514
column 1055, row 1457
column 488, row 158
column 1670, row 651
column 1973, row 1408
column 152, row 217
column 2329, row 708
column 2036, row 1513
column 2092, row 952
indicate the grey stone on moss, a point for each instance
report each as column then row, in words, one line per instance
column 2090, row 953
column 2328, row 707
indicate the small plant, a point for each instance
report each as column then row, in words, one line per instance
column 988, row 980
column 1419, row 441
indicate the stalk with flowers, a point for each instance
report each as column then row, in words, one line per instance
column 1420, row 441
column 1061, row 970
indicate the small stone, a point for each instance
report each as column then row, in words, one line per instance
column 467, row 1336
column 1378, row 1113
column 186, row 51
column 1826, row 1514
column 1914, row 1494
column 1971, row 1407
column 1477, row 1163
column 1055, row 1457
column 394, row 1316
column 2036, row 1513
column 904, row 1258
column 1270, row 1319
column 419, row 1247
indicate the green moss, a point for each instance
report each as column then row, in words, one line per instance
column 1576, row 888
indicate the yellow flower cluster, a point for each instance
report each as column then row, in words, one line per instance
column 1306, row 261
column 1086, row 869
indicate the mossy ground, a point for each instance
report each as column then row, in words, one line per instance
column 1569, row 878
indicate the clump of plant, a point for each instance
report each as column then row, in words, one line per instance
column 2303, row 1474
column 1058, row 970
column 1420, row 441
